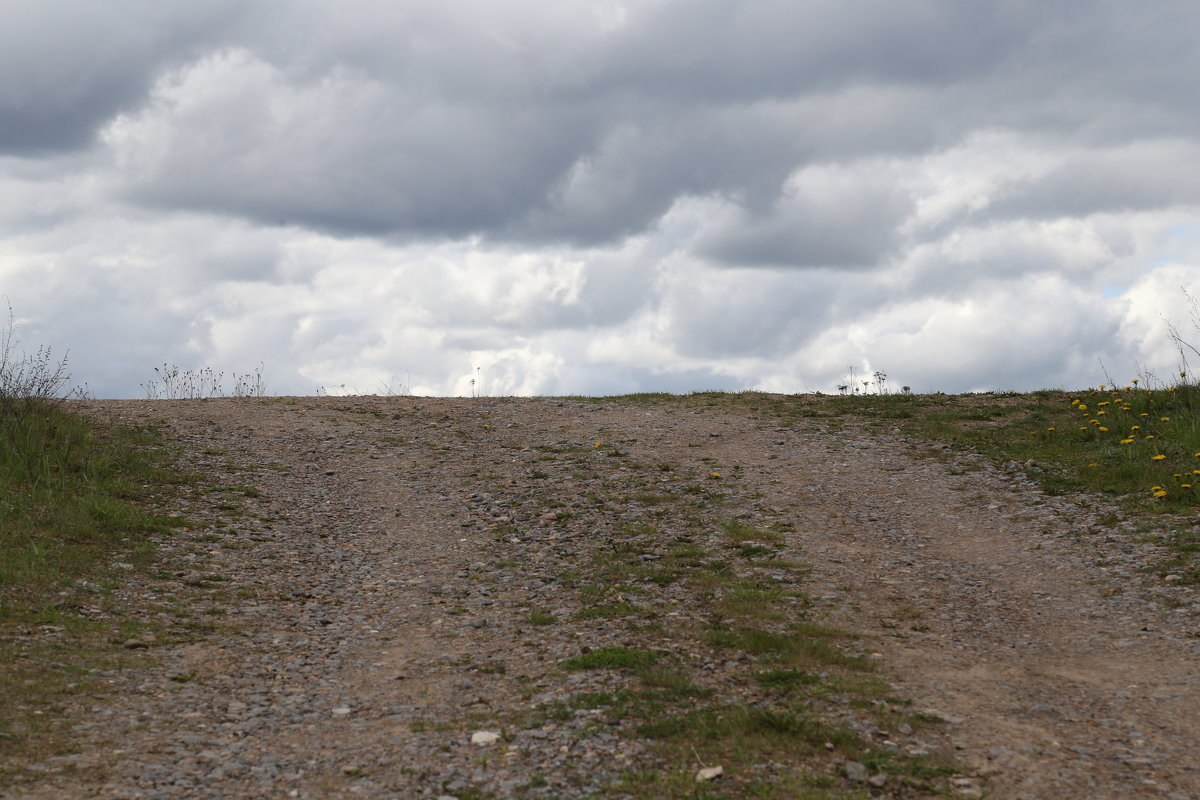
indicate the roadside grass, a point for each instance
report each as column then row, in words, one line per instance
column 1135, row 446
column 73, row 526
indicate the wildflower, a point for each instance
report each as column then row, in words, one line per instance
column 1158, row 457
column 1126, row 408
column 1164, row 419
column 1127, row 441
column 1103, row 404
column 1183, row 373
column 716, row 474
column 1134, row 381
column 1074, row 401
column 1083, row 427
column 1102, row 387
column 1143, row 414
column 1136, row 428
column 1099, row 413
column 1185, row 486
column 597, row 444
column 1102, row 428
column 1160, row 493
column 1082, row 407
column 1051, row 428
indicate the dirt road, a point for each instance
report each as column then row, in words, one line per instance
column 379, row 579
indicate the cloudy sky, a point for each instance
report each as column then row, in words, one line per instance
column 577, row 197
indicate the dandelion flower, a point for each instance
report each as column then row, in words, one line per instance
column 1150, row 436
column 1134, row 381
column 1102, row 386
column 1082, row 407
column 1102, row 428
column 1158, row 457
column 1185, row 486
column 597, row 444
column 1160, row 493
column 716, row 474
column 1127, row 441
column 1050, row 428
column 1143, row 414
column 1164, row 419
column 1183, row 373
column 1102, row 404
column 1135, row 428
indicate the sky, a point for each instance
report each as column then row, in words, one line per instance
column 544, row 198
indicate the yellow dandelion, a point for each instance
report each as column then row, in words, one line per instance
column 1102, row 404
column 716, row 474
column 1185, row 486
column 1099, row 413
column 1127, row 441
column 1143, row 414
column 1082, row 407
column 1158, row 457
column 1135, row 427
column 1134, row 381
column 1102, row 386
column 1050, row 428
column 597, row 444
column 1083, row 427
column 1183, row 373
column 1160, row 493
column 1074, row 401
column 1150, row 436
column 1126, row 408
column 1102, row 428
column 1164, row 419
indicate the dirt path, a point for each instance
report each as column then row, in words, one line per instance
column 379, row 562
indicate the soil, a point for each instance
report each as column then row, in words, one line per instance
column 377, row 561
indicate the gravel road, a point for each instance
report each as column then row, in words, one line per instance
column 378, row 560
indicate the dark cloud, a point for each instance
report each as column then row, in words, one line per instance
column 66, row 68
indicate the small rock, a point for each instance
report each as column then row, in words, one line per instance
column 135, row 644
column 855, row 771
column 341, row 711
column 878, row 781
column 485, row 738
column 709, row 774
column 480, row 623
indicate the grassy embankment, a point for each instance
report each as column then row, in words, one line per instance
column 73, row 528
column 1136, row 448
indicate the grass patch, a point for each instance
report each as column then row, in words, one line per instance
column 613, row 657
column 71, row 527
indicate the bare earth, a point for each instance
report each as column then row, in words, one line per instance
column 377, row 593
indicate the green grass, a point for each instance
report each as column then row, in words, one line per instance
column 68, row 507
column 612, row 657
column 72, row 525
